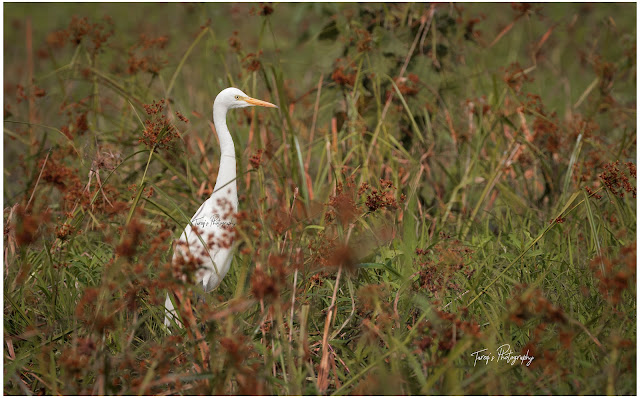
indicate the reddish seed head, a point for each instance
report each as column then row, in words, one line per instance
column 234, row 42
column 617, row 180
column 339, row 76
column 256, row 159
column 159, row 131
column 265, row 10
column 182, row 117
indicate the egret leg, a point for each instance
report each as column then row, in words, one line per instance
column 170, row 312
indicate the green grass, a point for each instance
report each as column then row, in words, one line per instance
column 436, row 181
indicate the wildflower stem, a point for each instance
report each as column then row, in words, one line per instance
column 38, row 180
column 140, row 188
column 183, row 60
column 529, row 246
column 323, row 374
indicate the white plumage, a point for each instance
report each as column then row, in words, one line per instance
column 208, row 239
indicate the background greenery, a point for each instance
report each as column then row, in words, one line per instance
column 438, row 179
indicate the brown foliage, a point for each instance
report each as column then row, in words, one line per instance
column 383, row 198
column 26, row 225
column 95, row 35
column 342, row 205
column 441, row 266
column 129, row 245
column 528, row 304
column 616, row 180
column 251, row 61
column 256, row 159
column 158, row 130
column 515, row 77
column 144, row 55
column 344, row 75
column 616, row 275
column 267, row 283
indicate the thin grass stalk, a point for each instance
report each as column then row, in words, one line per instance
column 323, row 374
column 529, row 246
column 183, row 60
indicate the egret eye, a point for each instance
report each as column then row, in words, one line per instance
column 237, row 97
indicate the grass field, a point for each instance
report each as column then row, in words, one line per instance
column 439, row 183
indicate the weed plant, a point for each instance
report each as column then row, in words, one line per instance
column 438, row 180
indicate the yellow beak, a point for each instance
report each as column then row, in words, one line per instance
column 258, row 102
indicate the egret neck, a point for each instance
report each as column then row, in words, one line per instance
column 227, row 170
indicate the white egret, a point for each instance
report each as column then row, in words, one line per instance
column 208, row 239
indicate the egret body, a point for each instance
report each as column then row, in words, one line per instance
column 207, row 241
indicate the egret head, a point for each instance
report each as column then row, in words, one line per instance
column 231, row 97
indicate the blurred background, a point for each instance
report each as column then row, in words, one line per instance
column 438, row 179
